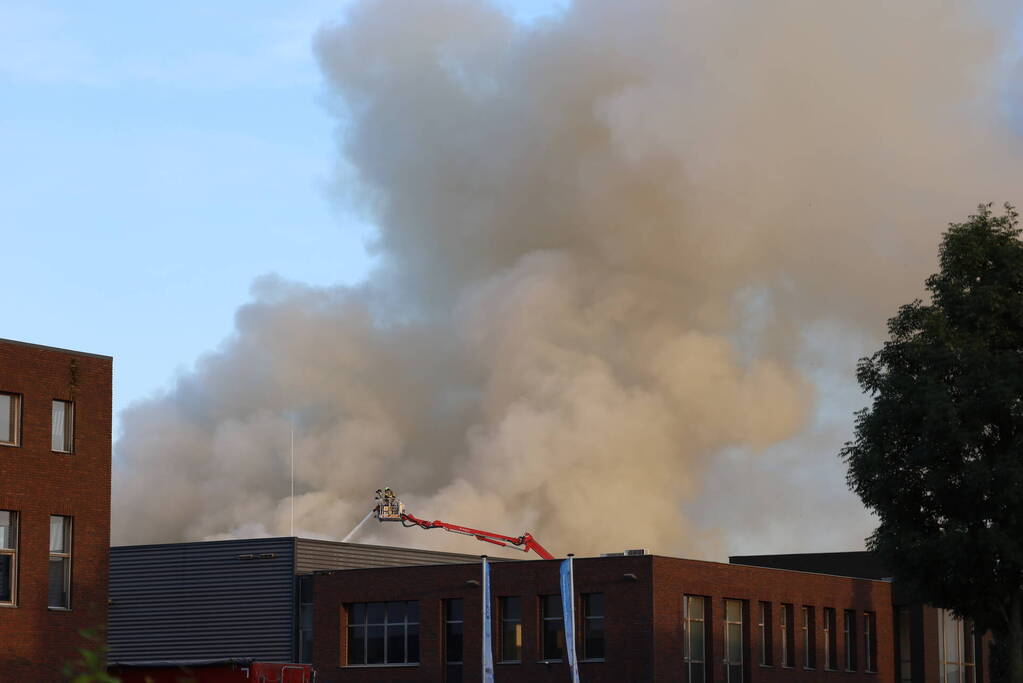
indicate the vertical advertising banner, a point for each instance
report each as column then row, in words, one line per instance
column 488, row 640
column 568, row 609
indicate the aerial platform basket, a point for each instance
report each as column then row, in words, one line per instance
column 389, row 508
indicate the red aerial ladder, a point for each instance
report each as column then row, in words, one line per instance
column 390, row 509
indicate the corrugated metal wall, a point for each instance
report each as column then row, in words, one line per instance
column 202, row 600
column 312, row 555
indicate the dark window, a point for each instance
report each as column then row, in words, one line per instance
column 733, row 640
column 8, row 556
column 60, row 562
column 693, row 616
column 870, row 640
column 766, row 644
column 305, row 618
column 454, row 639
column 809, row 639
column 62, row 430
column 553, row 627
column 383, row 633
column 788, row 636
column 849, row 639
column 10, row 419
column 510, row 614
column 593, row 625
column 830, row 640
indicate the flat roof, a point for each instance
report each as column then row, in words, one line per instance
column 53, row 348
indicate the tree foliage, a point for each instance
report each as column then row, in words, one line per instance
column 938, row 456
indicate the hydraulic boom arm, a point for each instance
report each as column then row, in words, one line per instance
column 390, row 509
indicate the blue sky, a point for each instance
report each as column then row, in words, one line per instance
column 154, row 160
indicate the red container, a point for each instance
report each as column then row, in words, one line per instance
column 213, row 671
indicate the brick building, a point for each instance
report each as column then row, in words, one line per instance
column 638, row 619
column 55, row 437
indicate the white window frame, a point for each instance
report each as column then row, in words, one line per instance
column 869, row 642
column 12, row 552
column 786, row 609
column 809, row 642
column 69, row 526
column 15, row 418
column 765, row 627
column 849, row 632
column 68, row 428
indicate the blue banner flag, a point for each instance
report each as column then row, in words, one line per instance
column 568, row 609
column 488, row 640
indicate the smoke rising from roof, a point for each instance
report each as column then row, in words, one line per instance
column 628, row 258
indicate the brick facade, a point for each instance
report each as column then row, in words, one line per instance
column 36, row 483
column 643, row 624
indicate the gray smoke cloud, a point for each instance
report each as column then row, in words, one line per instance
column 628, row 258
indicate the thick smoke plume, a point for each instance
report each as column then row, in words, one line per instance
column 628, row 258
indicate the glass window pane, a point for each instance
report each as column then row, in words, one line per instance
column 695, row 608
column 552, row 606
column 412, row 611
column 511, row 641
column 58, row 536
column 453, row 643
column 357, row 613
column 396, row 644
column 696, row 673
column 396, row 613
column 734, row 644
column 58, row 588
column 553, row 637
column 696, row 641
column 8, row 530
column 593, row 604
column 375, row 645
column 58, row 425
column 6, row 415
column 357, row 645
column 454, row 609
column 412, row 642
column 733, row 610
column 6, row 578
column 511, row 607
column 593, row 646
column 376, row 612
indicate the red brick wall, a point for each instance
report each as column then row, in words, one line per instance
column 674, row 578
column 643, row 616
column 36, row 482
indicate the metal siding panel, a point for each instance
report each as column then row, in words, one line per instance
column 314, row 555
column 199, row 600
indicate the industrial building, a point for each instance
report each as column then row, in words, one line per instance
column 55, row 439
column 248, row 599
column 642, row 618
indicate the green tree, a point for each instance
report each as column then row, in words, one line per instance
column 938, row 456
column 91, row 667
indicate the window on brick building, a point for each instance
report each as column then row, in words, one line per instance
column 510, row 615
column 788, row 636
column 10, row 419
column 956, row 640
column 383, row 633
column 62, row 427
column 8, row 557
column 830, row 640
column 905, row 646
column 695, row 640
column 593, row 626
column 849, row 639
column 809, row 638
column 870, row 640
column 766, row 644
column 60, row 562
column 553, row 627
column 454, row 640
column 733, row 641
